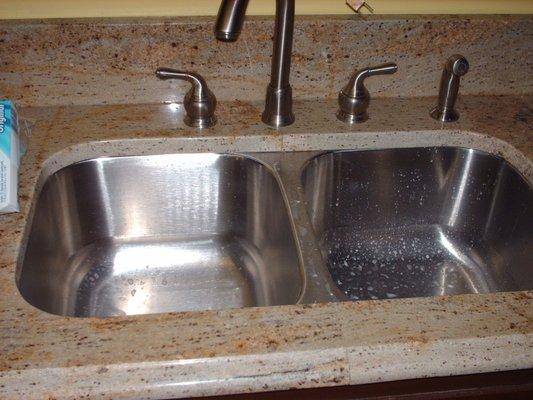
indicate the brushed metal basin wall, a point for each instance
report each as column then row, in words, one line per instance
column 421, row 222
column 138, row 235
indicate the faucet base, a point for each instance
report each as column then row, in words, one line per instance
column 200, row 123
column 444, row 115
column 278, row 107
column 351, row 118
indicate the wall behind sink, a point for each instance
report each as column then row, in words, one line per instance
column 90, row 61
column 142, row 8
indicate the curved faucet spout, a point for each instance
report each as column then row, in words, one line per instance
column 278, row 106
column 230, row 19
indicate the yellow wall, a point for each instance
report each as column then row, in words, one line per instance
column 10, row 9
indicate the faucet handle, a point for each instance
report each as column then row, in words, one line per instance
column 199, row 102
column 356, row 85
column 354, row 98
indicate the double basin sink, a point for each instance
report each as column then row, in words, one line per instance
column 152, row 234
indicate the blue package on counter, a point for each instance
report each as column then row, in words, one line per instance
column 9, row 157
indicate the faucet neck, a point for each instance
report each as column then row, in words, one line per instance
column 278, row 104
column 283, row 38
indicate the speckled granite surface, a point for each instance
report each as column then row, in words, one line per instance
column 113, row 61
column 257, row 349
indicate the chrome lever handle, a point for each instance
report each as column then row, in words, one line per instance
column 354, row 98
column 356, row 84
column 199, row 102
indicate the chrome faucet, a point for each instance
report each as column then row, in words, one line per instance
column 200, row 103
column 354, row 98
column 455, row 67
column 278, row 105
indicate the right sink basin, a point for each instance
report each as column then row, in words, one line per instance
column 420, row 222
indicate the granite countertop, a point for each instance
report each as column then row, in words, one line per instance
column 256, row 349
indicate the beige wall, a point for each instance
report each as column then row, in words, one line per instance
column 10, row 9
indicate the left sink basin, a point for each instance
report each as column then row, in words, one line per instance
column 153, row 234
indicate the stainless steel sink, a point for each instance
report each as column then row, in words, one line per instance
column 421, row 222
column 137, row 235
column 153, row 234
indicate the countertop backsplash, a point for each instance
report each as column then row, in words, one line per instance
column 112, row 61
